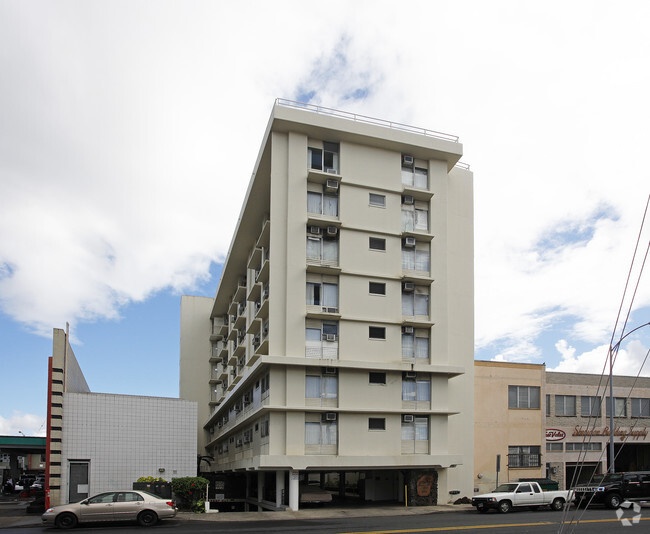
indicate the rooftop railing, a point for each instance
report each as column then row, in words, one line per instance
column 365, row 119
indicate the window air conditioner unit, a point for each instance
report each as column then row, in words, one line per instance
column 407, row 160
column 329, row 416
column 330, row 371
column 314, row 230
column 410, row 374
column 330, row 337
column 407, row 418
column 329, row 309
column 408, row 287
column 331, row 185
column 407, row 330
column 332, row 230
column 409, row 242
column 408, row 199
column 331, row 171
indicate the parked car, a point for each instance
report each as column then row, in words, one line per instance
column 614, row 488
column 520, row 494
column 313, row 494
column 141, row 506
column 39, row 482
column 23, row 483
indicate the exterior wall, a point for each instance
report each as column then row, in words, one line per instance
column 498, row 427
column 582, row 431
column 196, row 329
column 125, row 437
column 269, row 251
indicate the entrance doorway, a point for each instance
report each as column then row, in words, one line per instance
column 78, row 480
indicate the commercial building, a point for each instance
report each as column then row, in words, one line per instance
column 340, row 338
column 104, row 442
column 555, row 425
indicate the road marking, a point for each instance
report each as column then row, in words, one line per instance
column 478, row 527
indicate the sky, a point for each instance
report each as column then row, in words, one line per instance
column 129, row 131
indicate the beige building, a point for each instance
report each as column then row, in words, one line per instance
column 340, row 339
column 555, row 425
column 509, row 423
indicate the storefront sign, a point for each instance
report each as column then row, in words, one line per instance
column 555, row 434
column 620, row 432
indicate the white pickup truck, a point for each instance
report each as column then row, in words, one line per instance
column 517, row 494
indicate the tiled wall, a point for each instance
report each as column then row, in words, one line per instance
column 126, row 437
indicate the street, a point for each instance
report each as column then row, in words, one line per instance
column 543, row 521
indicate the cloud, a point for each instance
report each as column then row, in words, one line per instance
column 25, row 423
column 631, row 361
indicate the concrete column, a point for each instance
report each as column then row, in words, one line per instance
column 342, row 484
column 260, row 488
column 294, row 490
column 279, row 487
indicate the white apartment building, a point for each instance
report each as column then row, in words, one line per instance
column 340, row 339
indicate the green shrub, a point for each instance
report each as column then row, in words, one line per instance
column 199, row 506
column 189, row 492
column 150, row 480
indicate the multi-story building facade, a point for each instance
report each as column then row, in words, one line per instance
column 340, row 338
column 545, row 424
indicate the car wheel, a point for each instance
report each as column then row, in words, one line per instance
column 613, row 500
column 66, row 520
column 505, row 507
column 557, row 504
column 147, row 518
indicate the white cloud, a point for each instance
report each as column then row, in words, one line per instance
column 127, row 142
column 630, row 361
column 25, row 423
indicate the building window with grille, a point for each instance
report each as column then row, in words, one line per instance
column 414, row 173
column 620, row 406
column 524, row 456
column 415, row 435
column 321, row 203
column 416, row 389
column 321, row 339
column 323, row 250
column 321, row 433
column 321, row 386
column 523, row 397
column 415, row 300
column 565, row 405
column 415, row 343
column 590, row 406
column 415, row 216
column 323, row 293
column 415, row 256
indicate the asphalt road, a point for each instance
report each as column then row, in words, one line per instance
column 592, row 521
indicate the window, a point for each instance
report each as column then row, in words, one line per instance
column 590, row 406
column 323, row 204
column 416, row 344
column 620, row 406
column 415, row 429
column 321, row 339
column 415, row 302
column 523, row 397
column 377, row 378
column 378, row 201
column 415, row 216
column 377, row 243
column 324, row 159
column 266, row 379
column 377, row 288
column 323, row 250
column 376, row 423
column 416, row 389
column 322, row 294
column 264, row 428
column 565, row 405
column 377, row 332
column 416, row 258
column 640, row 407
column 320, row 433
column 548, row 405
column 524, row 456
column 414, row 173
column 554, row 447
column 321, row 386
column 584, row 446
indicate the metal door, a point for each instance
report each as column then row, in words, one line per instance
column 77, row 481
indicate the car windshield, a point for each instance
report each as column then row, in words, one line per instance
column 506, row 488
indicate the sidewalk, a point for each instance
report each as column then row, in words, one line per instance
column 13, row 514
